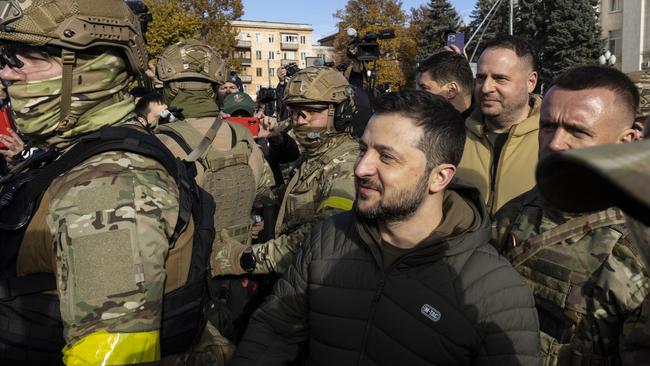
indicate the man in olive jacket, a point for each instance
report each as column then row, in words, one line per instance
column 409, row 277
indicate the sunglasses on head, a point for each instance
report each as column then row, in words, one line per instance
column 8, row 57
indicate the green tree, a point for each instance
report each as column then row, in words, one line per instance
column 566, row 35
column 441, row 16
column 372, row 16
column 170, row 23
column 215, row 17
column 498, row 23
column 409, row 48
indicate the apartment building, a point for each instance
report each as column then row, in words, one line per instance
column 626, row 27
column 265, row 46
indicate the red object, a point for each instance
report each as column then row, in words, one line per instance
column 5, row 123
column 252, row 123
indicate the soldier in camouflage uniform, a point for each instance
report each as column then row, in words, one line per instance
column 588, row 280
column 321, row 108
column 623, row 171
column 106, row 226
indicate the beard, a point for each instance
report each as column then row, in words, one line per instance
column 400, row 207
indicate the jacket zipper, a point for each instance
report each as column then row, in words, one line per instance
column 497, row 173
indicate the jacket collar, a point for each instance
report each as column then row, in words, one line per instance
column 477, row 235
column 476, row 126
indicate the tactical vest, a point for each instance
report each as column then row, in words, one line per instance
column 303, row 193
column 228, row 177
column 559, row 265
column 31, row 331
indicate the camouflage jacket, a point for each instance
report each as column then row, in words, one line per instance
column 323, row 185
column 588, row 280
column 110, row 220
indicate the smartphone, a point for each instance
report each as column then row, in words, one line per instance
column 455, row 38
column 5, row 123
column 252, row 123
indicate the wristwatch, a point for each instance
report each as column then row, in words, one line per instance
column 247, row 261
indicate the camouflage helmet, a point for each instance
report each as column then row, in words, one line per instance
column 191, row 59
column 75, row 25
column 642, row 81
column 317, row 84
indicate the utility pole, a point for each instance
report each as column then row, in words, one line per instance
column 512, row 11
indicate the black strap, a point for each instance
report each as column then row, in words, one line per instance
column 176, row 137
column 26, row 285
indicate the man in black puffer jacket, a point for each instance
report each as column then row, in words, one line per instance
column 409, row 277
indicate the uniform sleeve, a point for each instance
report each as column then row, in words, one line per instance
column 280, row 325
column 337, row 195
column 111, row 218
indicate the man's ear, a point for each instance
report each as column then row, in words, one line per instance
column 532, row 81
column 452, row 90
column 440, row 177
column 628, row 135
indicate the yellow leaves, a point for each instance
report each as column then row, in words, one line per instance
column 170, row 24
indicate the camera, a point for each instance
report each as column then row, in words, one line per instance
column 291, row 68
column 266, row 95
column 366, row 48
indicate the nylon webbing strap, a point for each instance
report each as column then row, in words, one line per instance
column 68, row 59
column 209, row 136
column 566, row 231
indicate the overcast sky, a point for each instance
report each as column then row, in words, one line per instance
column 319, row 13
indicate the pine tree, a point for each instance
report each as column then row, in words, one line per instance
column 499, row 23
column 565, row 33
column 441, row 16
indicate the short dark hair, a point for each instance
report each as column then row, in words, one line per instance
column 443, row 139
column 592, row 77
column 520, row 46
column 444, row 67
column 142, row 106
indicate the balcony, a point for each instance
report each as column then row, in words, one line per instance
column 246, row 79
column 243, row 44
column 289, row 46
column 287, row 62
column 246, row 61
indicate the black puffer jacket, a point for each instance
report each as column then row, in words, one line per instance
column 451, row 302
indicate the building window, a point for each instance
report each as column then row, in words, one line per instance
column 303, row 55
column 303, row 39
column 257, row 88
column 614, row 43
column 258, row 55
column 614, row 5
column 289, row 38
column 289, row 55
column 271, row 72
column 258, row 71
column 245, row 88
column 257, row 37
column 271, row 55
column 271, row 38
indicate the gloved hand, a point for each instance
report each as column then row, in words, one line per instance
column 226, row 253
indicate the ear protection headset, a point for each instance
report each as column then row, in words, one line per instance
column 344, row 112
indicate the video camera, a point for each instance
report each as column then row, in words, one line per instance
column 291, row 68
column 366, row 48
column 267, row 97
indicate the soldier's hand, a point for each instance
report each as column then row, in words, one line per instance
column 256, row 229
column 13, row 144
column 268, row 127
column 227, row 255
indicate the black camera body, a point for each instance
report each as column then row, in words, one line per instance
column 291, row 68
column 367, row 48
column 266, row 95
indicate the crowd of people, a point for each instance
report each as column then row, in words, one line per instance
column 180, row 222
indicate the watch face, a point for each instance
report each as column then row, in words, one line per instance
column 247, row 261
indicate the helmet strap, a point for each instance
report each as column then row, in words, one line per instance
column 68, row 59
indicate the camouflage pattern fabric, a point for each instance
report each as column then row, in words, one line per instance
column 99, row 97
column 322, row 186
column 111, row 218
column 589, row 287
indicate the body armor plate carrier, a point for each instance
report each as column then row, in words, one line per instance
column 31, row 331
